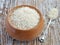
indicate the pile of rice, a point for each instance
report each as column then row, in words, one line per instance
column 25, row 18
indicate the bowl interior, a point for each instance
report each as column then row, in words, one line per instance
column 13, row 9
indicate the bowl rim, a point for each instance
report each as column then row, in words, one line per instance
column 14, row 8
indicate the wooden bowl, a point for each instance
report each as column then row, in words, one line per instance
column 24, row 34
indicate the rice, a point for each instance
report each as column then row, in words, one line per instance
column 25, row 18
column 53, row 13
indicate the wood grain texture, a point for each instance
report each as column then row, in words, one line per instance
column 53, row 36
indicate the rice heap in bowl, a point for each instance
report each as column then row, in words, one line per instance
column 25, row 18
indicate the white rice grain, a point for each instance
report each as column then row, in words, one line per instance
column 25, row 18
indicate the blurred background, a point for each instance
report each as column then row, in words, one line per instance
column 53, row 36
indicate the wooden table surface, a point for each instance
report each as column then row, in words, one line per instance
column 53, row 36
